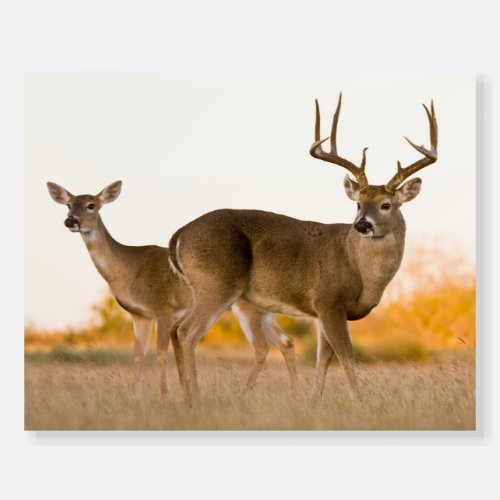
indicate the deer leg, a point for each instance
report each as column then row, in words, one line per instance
column 260, row 331
column 162, row 340
column 279, row 339
column 334, row 326
column 285, row 344
column 251, row 323
column 142, row 333
column 191, row 329
column 177, row 351
column 323, row 358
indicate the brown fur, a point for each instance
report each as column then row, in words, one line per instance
column 143, row 283
column 331, row 272
column 283, row 265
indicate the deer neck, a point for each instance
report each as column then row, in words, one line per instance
column 377, row 260
column 104, row 252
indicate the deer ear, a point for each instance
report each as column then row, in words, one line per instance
column 59, row 194
column 351, row 188
column 409, row 190
column 110, row 193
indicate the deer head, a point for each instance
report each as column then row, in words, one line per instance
column 83, row 214
column 377, row 206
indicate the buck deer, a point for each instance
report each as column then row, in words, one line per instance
column 331, row 272
column 143, row 283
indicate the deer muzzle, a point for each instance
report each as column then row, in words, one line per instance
column 363, row 226
column 71, row 221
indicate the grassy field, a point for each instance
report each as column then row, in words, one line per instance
column 77, row 394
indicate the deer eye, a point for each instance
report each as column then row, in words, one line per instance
column 385, row 206
column 91, row 206
column 359, row 206
column 68, row 205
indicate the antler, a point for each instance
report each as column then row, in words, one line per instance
column 332, row 157
column 430, row 155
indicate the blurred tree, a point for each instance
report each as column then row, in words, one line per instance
column 429, row 306
column 112, row 322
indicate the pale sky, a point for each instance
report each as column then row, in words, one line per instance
column 187, row 143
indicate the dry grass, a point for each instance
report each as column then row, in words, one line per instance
column 407, row 396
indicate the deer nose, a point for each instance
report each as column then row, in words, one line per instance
column 363, row 226
column 71, row 221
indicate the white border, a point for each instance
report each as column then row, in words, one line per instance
column 212, row 35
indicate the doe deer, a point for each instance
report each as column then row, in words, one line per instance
column 331, row 272
column 143, row 283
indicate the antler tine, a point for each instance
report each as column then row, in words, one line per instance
column 363, row 160
column 333, row 134
column 430, row 155
column 317, row 151
column 317, row 125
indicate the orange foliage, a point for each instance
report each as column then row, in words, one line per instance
column 429, row 306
